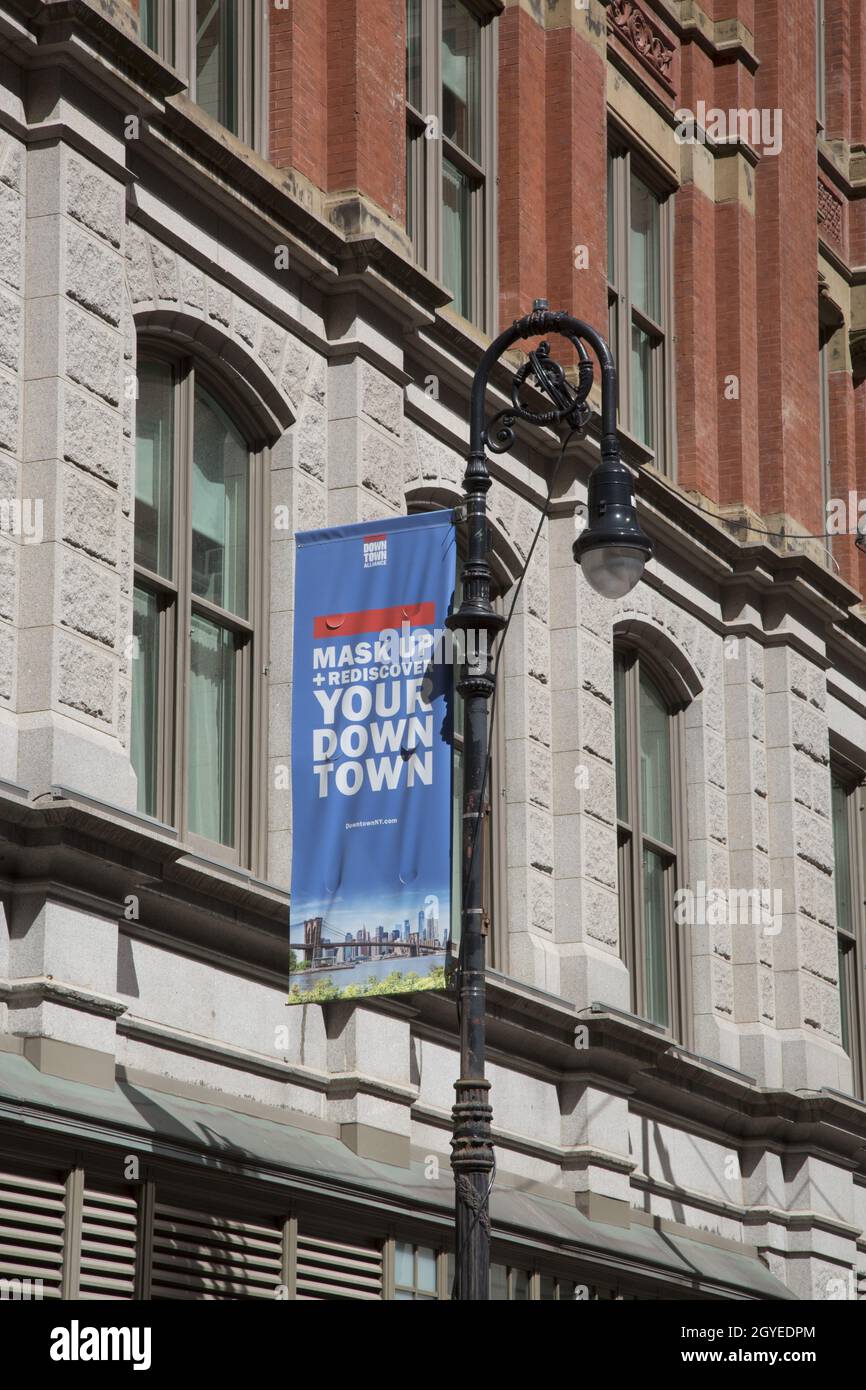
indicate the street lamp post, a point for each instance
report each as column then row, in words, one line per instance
column 613, row 550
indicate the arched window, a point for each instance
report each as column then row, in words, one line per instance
column 649, row 804
column 196, row 610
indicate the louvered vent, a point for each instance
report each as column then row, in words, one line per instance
column 109, row 1243
column 332, row 1269
column 197, row 1255
column 32, row 1226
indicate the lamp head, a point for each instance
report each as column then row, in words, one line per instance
column 612, row 549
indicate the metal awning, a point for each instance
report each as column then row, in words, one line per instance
column 206, row 1135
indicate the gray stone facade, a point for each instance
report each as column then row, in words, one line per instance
column 129, row 960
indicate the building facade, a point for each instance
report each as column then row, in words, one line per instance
column 250, row 254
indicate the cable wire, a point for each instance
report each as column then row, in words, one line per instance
column 781, row 535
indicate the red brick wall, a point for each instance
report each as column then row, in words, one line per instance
column 366, row 101
column 843, row 466
column 787, row 237
column 837, row 41
column 744, row 341
column 857, row 59
column 299, row 89
column 739, row 456
column 576, row 177
column 522, row 153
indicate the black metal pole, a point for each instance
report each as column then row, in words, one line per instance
column 472, row 1147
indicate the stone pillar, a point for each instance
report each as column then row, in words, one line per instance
column 61, row 993
column 75, row 585
column 801, row 863
column 587, row 912
column 371, row 1089
column 748, row 812
column 18, row 515
column 525, row 681
column 298, row 503
column 707, row 849
column 366, row 468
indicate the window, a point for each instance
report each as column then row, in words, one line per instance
column 820, row 66
column 508, row 1284
column 195, row 610
column 647, row 781
column 849, row 927
column 639, row 290
column 220, row 46
column 156, row 26
column 416, row 1272
column 450, row 152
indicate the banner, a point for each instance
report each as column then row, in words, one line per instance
column 372, row 709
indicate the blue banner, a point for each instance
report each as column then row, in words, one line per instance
column 372, row 707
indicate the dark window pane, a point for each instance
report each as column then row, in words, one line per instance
column 457, row 237
column 644, row 250
column 611, row 221
column 216, row 46
column 656, row 912
column 147, row 18
column 211, row 751
column 413, row 53
column 847, row 958
column 154, row 468
column 498, row 1284
column 220, row 508
column 621, row 722
column 461, row 77
column 145, row 704
column 642, row 421
column 842, row 857
column 415, row 189
column 655, row 760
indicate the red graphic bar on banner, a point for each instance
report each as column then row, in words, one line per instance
column 374, row 620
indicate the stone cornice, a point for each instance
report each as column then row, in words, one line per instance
column 720, row 38
column 671, row 516
column 29, row 991
column 333, row 1084
column 533, row 1030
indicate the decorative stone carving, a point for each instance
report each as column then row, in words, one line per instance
column 642, row 36
column 829, row 214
